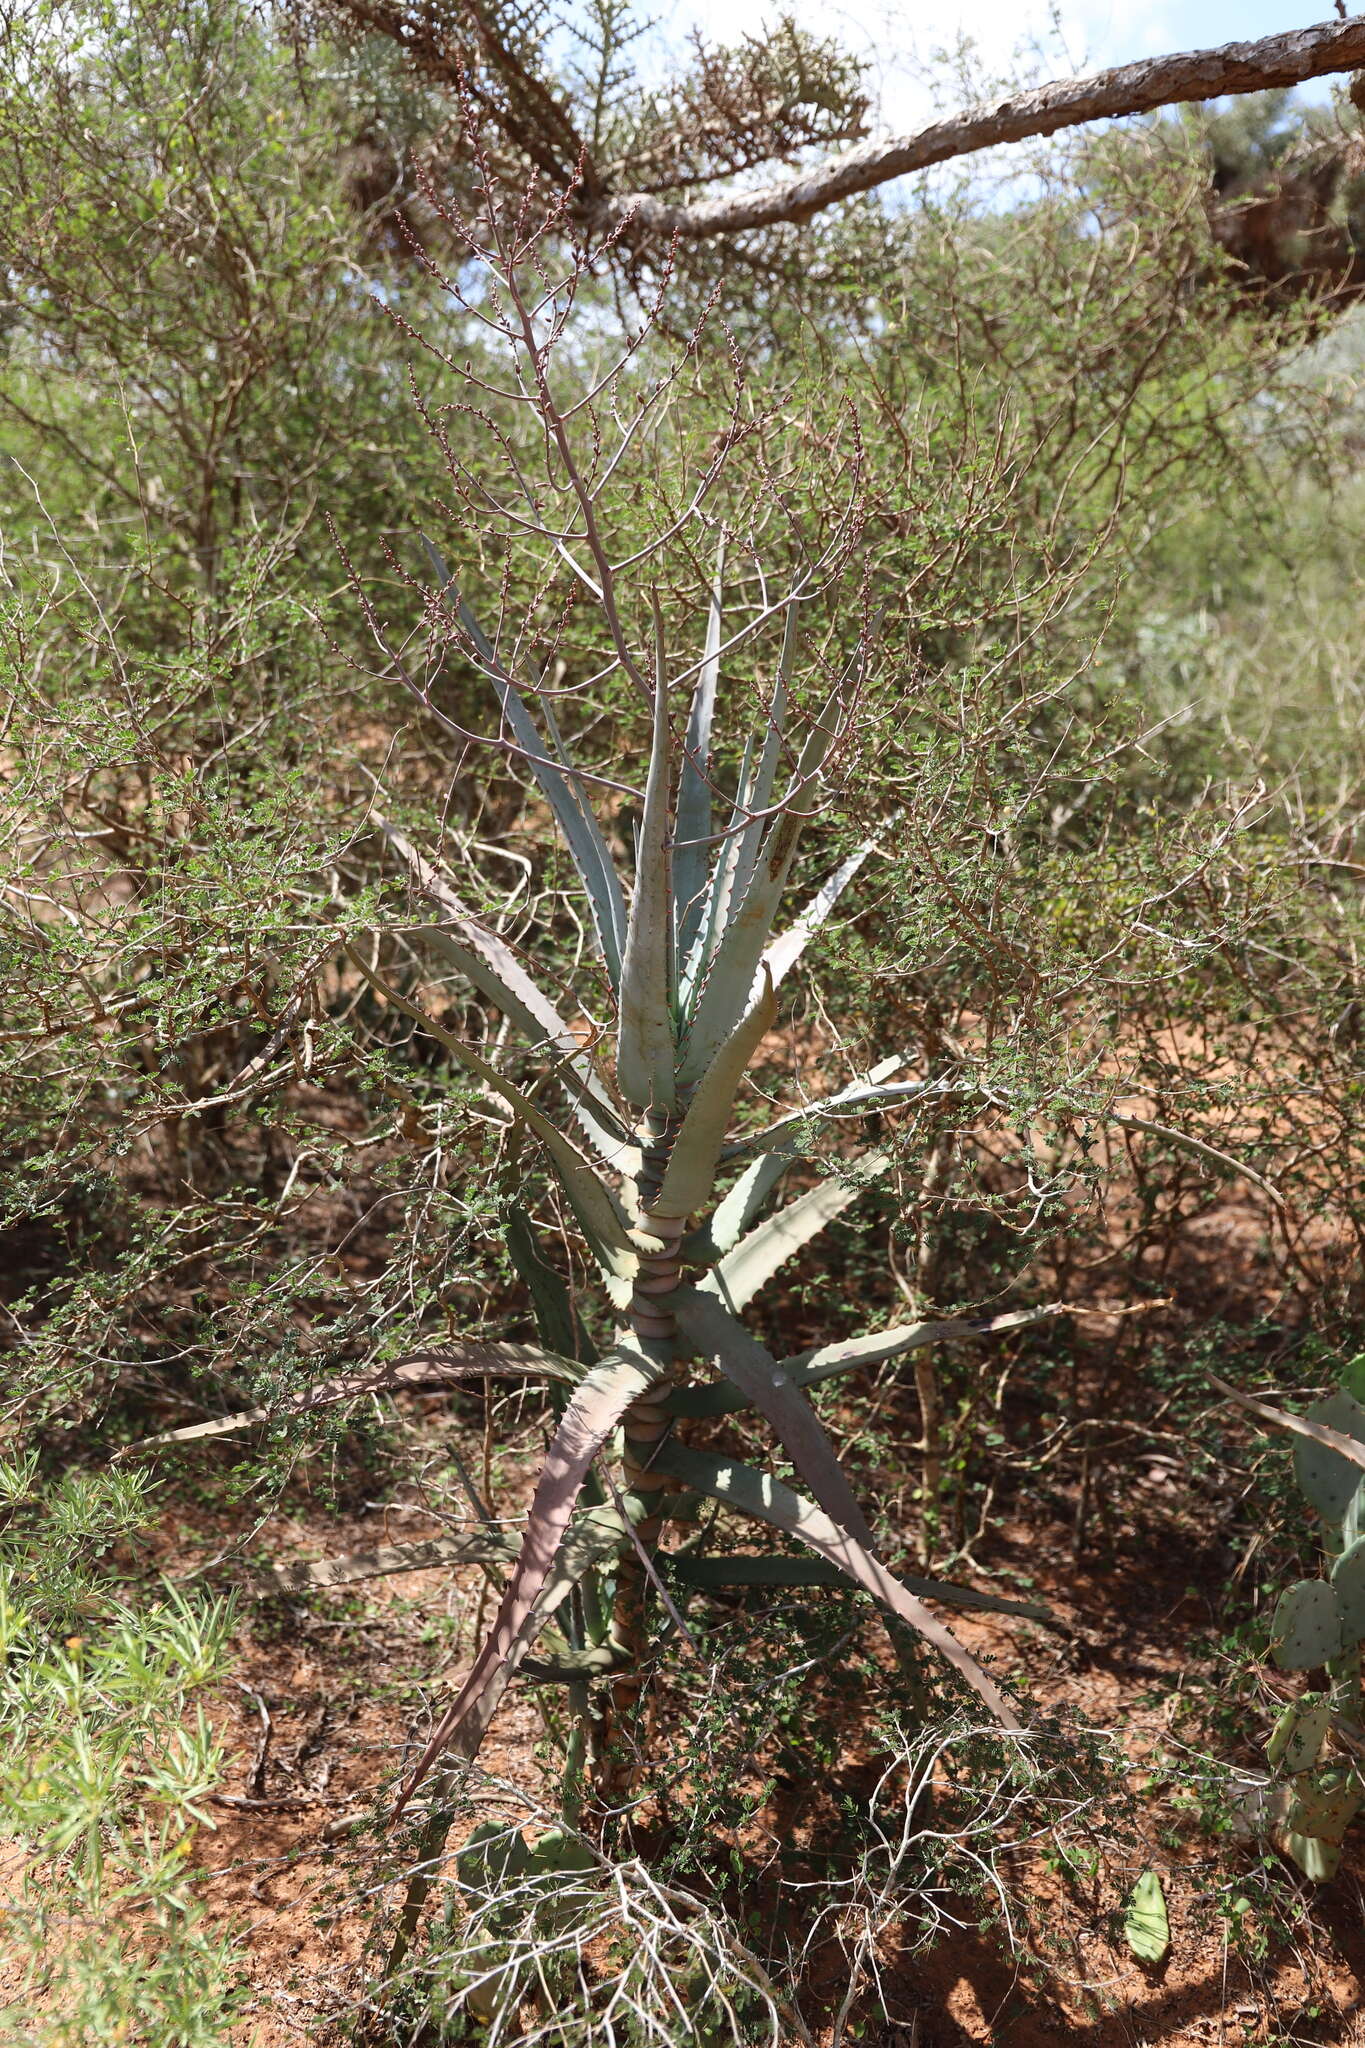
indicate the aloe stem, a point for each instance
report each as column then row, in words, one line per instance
column 577, row 1752
column 655, row 1327
column 430, row 1845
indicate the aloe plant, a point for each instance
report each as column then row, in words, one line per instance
column 643, row 1144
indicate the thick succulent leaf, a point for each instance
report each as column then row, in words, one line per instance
column 691, row 1171
column 567, row 1665
column 598, row 1535
column 707, row 1572
column 1318, row 1860
column 728, row 987
column 645, row 1052
column 770, row 759
column 560, row 1326
column 692, row 853
column 599, row 1214
column 1327, row 1480
column 494, row 969
column 758, row 792
column 862, row 1098
column 579, row 828
column 1305, row 1631
column 761, row 1380
column 604, row 1130
column 758, row 1256
column 591, row 1416
column 732, row 1217
column 739, row 852
column 808, row 1368
column 1348, row 1584
column 1351, row 1448
column 439, row 1365
column 1298, row 1736
column 1146, row 1927
column 784, row 953
column 721, row 891
column 1324, row 1804
column 766, row 1499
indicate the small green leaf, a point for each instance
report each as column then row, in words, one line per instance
column 1146, row 1927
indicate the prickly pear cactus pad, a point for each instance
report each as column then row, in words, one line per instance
column 1306, row 1631
column 1324, row 1805
column 1327, row 1480
column 1300, row 1732
column 1348, row 1584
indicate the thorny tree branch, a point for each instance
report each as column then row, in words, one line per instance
column 1141, row 88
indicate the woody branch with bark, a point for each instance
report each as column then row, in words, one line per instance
column 646, row 168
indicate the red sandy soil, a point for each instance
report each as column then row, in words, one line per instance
column 303, row 1888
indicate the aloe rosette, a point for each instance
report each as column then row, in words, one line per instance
column 642, row 1148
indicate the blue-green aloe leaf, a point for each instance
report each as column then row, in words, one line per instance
column 761, row 1380
column 597, row 1536
column 692, row 852
column 765, row 1498
column 732, row 1216
column 763, row 782
column 754, row 1260
column 600, row 1216
column 558, row 1321
column 689, row 1177
column 727, row 989
column 646, row 1052
column 434, row 1365
column 861, row 1098
column 596, row 1408
column 737, row 1210
column 721, row 891
column 809, row 1368
column 707, row 1572
column 785, row 951
column 850, row 1354
column 738, row 851
column 490, row 964
column 553, row 770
